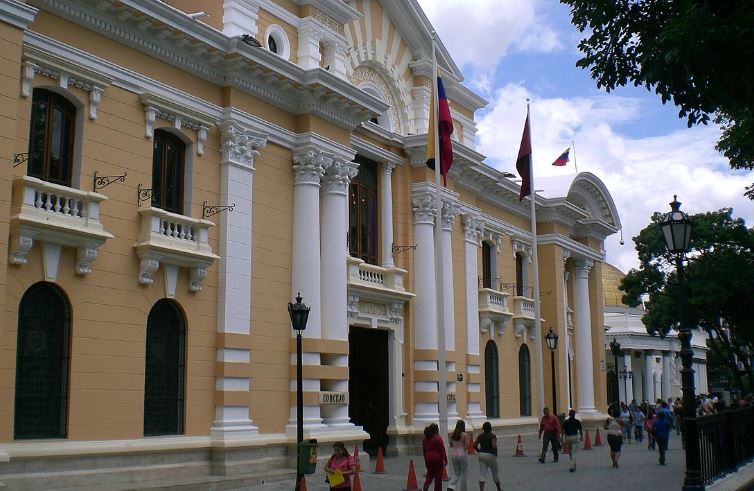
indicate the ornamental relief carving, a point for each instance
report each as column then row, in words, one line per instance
column 339, row 175
column 329, row 21
column 424, row 209
column 363, row 74
column 373, row 308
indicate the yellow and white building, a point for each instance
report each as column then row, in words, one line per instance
column 168, row 185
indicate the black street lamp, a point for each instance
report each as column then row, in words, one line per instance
column 552, row 342
column 676, row 230
column 299, row 313
column 625, row 375
column 615, row 350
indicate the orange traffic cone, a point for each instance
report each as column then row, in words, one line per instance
column 379, row 467
column 303, row 484
column 519, row 448
column 411, row 484
column 356, row 482
column 445, row 474
column 597, row 439
column 587, row 442
column 356, row 461
column 471, row 450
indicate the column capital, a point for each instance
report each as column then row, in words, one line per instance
column 387, row 168
column 309, row 166
column 582, row 267
column 450, row 210
column 238, row 145
column 473, row 227
column 338, row 176
column 424, row 209
column 520, row 246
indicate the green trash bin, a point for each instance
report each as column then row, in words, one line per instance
column 307, row 456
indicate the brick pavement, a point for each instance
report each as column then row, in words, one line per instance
column 638, row 468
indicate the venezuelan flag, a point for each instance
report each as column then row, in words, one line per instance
column 445, row 123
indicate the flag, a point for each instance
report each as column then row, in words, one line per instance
column 523, row 164
column 445, row 122
column 563, row 159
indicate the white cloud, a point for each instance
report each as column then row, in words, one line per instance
column 489, row 30
column 642, row 174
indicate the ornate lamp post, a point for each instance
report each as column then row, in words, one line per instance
column 299, row 313
column 625, row 375
column 676, row 230
column 552, row 342
column 615, row 350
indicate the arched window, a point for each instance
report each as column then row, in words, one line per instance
column 524, row 381
column 491, row 380
column 520, row 290
column 51, row 137
column 487, row 265
column 362, row 236
column 164, row 373
column 42, row 363
column 272, row 44
column 167, row 172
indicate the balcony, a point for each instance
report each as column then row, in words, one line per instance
column 55, row 216
column 381, row 289
column 174, row 241
column 493, row 310
column 523, row 307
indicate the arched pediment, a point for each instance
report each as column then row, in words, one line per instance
column 589, row 193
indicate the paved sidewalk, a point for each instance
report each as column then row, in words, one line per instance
column 638, row 467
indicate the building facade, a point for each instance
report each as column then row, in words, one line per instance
column 171, row 179
column 648, row 367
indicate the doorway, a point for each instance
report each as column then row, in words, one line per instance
column 368, row 387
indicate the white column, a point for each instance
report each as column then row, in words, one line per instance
column 564, row 333
column 308, row 168
column 238, row 149
column 425, row 303
column 666, row 375
column 386, row 214
column 309, row 36
column 449, row 213
column 628, row 392
column 240, row 17
column 584, row 361
column 334, row 290
column 472, row 229
column 648, row 382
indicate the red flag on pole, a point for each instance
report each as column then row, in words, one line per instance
column 445, row 123
column 524, row 160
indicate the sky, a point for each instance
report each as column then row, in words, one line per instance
column 511, row 50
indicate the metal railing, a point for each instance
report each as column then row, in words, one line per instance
column 726, row 441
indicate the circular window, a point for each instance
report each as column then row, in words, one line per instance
column 277, row 41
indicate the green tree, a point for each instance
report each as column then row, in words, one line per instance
column 719, row 282
column 696, row 53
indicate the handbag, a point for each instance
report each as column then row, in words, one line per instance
column 334, row 477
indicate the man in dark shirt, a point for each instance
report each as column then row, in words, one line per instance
column 550, row 426
column 573, row 435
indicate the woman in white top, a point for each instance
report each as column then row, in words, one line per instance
column 459, row 444
column 614, row 427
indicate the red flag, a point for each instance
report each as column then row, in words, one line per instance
column 445, row 122
column 523, row 163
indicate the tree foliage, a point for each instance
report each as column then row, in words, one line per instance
column 696, row 53
column 719, row 283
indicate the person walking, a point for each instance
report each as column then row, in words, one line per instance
column 662, row 434
column 649, row 424
column 343, row 462
column 435, row 457
column 573, row 435
column 625, row 415
column 638, row 423
column 486, row 447
column 550, row 427
column 459, row 444
column 678, row 415
column 614, row 428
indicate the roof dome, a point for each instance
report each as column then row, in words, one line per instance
column 611, row 277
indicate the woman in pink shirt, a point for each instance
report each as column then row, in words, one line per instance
column 435, row 457
column 342, row 461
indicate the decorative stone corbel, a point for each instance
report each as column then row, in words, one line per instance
column 196, row 276
column 150, row 115
column 395, row 312
column 520, row 330
column 501, row 326
column 147, row 268
column 484, row 324
column 85, row 256
column 353, row 306
column 20, row 246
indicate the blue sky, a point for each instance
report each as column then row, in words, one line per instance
column 511, row 50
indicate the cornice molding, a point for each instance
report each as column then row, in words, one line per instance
column 171, row 36
column 368, row 149
column 17, row 13
column 577, row 249
column 340, row 11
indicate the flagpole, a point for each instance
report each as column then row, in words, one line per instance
column 535, row 283
column 575, row 164
column 442, row 406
